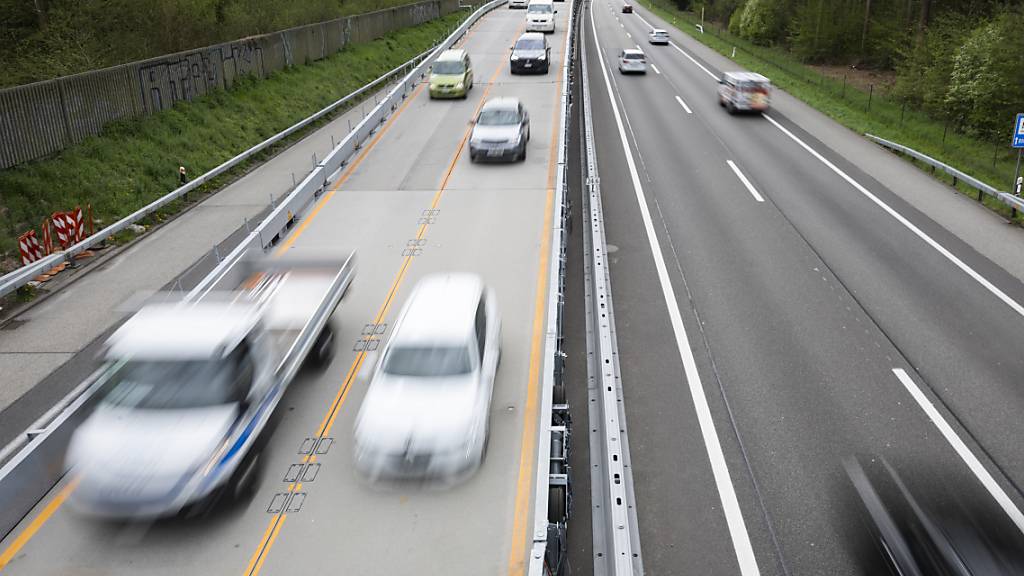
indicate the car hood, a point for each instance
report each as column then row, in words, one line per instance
column 529, row 54
column 501, row 133
column 446, row 78
column 403, row 414
column 133, row 446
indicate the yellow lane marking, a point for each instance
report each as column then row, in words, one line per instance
column 263, row 550
column 521, row 539
column 36, row 524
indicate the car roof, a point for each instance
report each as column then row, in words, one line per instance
column 441, row 309
column 633, row 51
column 532, row 36
column 747, row 76
column 455, row 54
column 502, row 103
column 658, row 31
column 182, row 331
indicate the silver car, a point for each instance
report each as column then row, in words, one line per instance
column 500, row 131
column 658, row 36
column 632, row 60
column 426, row 411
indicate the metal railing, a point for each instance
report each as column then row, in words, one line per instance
column 616, row 536
column 22, row 276
column 38, row 466
column 1010, row 200
column 552, row 502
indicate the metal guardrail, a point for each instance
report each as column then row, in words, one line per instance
column 1010, row 200
column 552, row 487
column 22, row 276
column 615, row 528
column 32, row 472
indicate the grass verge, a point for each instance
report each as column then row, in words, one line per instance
column 134, row 162
column 870, row 111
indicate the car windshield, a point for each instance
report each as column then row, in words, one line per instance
column 498, row 118
column 539, row 9
column 180, row 384
column 529, row 44
column 428, row 361
column 448, row 67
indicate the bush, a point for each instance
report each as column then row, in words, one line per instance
column 763, row 22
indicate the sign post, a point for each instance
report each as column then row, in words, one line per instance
column 1018, row 143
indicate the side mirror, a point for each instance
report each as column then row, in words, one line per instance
column 556, row 11
column 720, row 81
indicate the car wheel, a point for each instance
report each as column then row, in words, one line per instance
column 721, row 102
column 472, row 158
column 522, row 154
column 730, row 108
column 323, row 349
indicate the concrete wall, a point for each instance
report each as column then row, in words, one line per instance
column 45, row 117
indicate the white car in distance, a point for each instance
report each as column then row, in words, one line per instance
column 658, row 36
column 540, row 16
column 632, row 61
column 426, row 412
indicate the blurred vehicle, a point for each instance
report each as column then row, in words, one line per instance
column 500, row 131
column 925, row 529
column 627, row 8
column 187, row 388
column 451, row 75
column 426, row 411
column 530, row 53
column 632, row 60
column 658, row 36
column 744, row 91
column 518, row 3
column 540, row 16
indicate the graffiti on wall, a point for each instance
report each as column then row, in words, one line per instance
column 188, row 76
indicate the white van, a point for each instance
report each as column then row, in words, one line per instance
column 744, row 91
column 540, row 16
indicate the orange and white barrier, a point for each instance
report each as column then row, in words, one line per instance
column 29, row 247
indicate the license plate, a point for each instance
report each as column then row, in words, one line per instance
column 528, row 65
column 494, row 152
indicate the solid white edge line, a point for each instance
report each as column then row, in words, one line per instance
column 750, row 187
column 962, row 450
column 683, row 104
column 1013, row 304
column 699, row 65
column 655, row 68
column 723, row 482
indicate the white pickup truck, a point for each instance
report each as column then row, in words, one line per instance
column 188, row 387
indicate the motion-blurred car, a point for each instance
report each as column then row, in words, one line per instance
column 632, row 61
column 518, row 3
column 500, row 131
column 658, row 36
column 426, row 411
column 540, row 16
column 451, row 76
column 627, row 8
column 744, row 92
column 530, row 53
column 917, row 525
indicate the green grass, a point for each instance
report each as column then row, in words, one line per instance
column 132, row 163
column 861, row 111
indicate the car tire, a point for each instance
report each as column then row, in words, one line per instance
column 323, row 349
column 556, row 504
column 522, row 154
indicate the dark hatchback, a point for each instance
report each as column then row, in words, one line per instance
column 531, row 53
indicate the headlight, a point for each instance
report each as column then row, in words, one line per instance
column 542, row 57
column 514, row 57
column 460, row 86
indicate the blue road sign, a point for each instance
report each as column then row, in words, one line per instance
column 1018, row 131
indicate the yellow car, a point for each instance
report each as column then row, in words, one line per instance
column 451, row 76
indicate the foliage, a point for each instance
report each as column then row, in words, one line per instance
column 67, row 36
column 763, row 22
column 134, row 162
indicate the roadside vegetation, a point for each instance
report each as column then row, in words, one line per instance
column 41, row 39
column 940, row 76
column 134, row 162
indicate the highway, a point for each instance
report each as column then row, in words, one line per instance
column 411, row 203
column 782, row 312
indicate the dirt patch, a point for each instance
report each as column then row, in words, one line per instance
column 862, row 78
